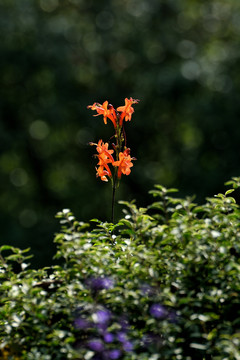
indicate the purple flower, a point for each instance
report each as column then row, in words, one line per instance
column 148, row 339
column 121, row 336
column 81, row 323
column 127, row 346
column 108, row 337
column 147, row 290
column 100, row 283
column 103, row 316
column 96, row 345
column 173, row 318
column 124, row 323
column 107, row 283
column 158, row 311
column 114, row 354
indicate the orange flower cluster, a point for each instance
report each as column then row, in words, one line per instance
column 105, row 157
column 123, row 162
column 116, row 116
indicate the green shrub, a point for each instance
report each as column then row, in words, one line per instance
column 162, row 283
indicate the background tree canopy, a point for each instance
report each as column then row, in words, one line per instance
column 179, row 57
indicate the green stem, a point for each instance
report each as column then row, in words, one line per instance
column 118, row 135
column 113, row 199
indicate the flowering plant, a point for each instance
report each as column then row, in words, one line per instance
column 123, row 161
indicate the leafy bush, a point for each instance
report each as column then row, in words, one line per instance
column 162, row 283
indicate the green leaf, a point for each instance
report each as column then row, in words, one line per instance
column 6, row 247
column 229, row 191
column 198, row 346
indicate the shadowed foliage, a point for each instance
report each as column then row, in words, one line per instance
column 162, row 283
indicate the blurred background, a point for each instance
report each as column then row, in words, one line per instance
column 181, row 58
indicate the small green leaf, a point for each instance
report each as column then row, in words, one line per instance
column 229, row 191
column 6, row 247
column 198, row 346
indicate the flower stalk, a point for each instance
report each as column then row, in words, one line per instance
column 119, row 157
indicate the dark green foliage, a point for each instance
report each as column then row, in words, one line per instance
column 162, row 283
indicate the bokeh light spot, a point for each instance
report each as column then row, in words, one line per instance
column 155, row 53
column 39, row 130
column 123, row 59
column 105, row 20
column 48, row 5
column 28, row 218
column 190, row 70
column 186, row 49
column 19, row 177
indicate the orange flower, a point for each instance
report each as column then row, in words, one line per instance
column 124, row 163
column 105, row 157
column 107, row 110
column 103, row 172
column 127, row 110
